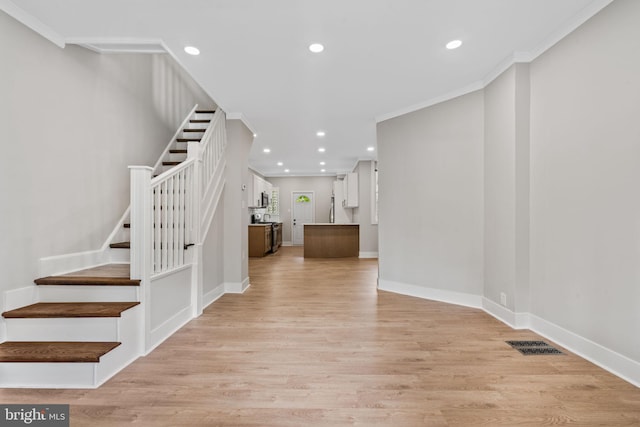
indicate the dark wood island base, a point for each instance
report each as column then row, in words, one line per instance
column 331, row 240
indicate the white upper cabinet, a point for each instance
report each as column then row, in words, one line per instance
column 350, row 190
column 259, row 186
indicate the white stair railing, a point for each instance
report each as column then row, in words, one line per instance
column 166, row 214
column 173, row 203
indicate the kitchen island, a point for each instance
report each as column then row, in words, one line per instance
column 331, row 240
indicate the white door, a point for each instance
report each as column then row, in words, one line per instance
column 303, row 203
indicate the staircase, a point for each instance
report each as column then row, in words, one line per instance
column 77, row 344
column 176, row 153
column 87, row 325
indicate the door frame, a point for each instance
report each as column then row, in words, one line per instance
column 293, row 204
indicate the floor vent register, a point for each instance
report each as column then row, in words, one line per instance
column 529, row 348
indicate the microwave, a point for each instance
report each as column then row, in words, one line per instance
column 265, row 199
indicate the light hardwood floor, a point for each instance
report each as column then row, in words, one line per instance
column 312, row 343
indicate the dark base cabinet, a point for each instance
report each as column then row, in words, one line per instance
column 259, row 240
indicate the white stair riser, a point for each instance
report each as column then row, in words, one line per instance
column 47, row 375
column 202, row 116
column 181, row 145
column 118, row 256
column 191, row 135
column 79, row 293
column 177, row 157
column 204, row 126
column 122, row 235
column 67, row 329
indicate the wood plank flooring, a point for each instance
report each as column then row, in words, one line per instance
column 313, row 343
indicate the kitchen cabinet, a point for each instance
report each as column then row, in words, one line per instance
column 350, row 190
column 341, row 215
column 259, row 239
column 256, row 188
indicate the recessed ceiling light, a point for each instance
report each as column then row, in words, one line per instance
column 371, row 149
column 454, row 44
column 321, row 150
column 280, row 163
column 286, row 170
column 191, row 50
column 323, row 170
column 316, row 47
column 255, row 135
column 322, row 163
column 320, row 133
column 267, row 150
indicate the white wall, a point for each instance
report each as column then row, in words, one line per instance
column 72, row 121
column 506, row 188
column 430, row 166
column 585, row 209
column 236, row 222
column 322, row 186
column 362, row 214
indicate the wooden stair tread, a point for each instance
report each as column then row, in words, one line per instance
column 120, row 245
column 178, row 151
column 194, row 130
column 199, row 121
column 170, row 163
column 205, row 111
column 87, row 280
column 69, row 309
column 54, row 352
column 188, row 139
column 126, row 225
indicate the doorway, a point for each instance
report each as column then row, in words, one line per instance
column 303, row 212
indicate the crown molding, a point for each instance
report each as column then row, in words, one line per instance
column 430, row 102
column 570, row 26
column 516, row 57
column 105, row 45
column 32, row 22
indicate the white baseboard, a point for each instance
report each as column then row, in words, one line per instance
column 508, row 317
column 287, row 244
column 61, row 264
column 170, row 326
column 458, row 298
column 236, row 287
column 20, row 297
column 368, row 255
column 211, row 296
column 607, row 359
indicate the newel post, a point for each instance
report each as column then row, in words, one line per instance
column 194, row 151
column 140, row 252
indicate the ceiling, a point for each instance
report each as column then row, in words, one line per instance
column 381, row 58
